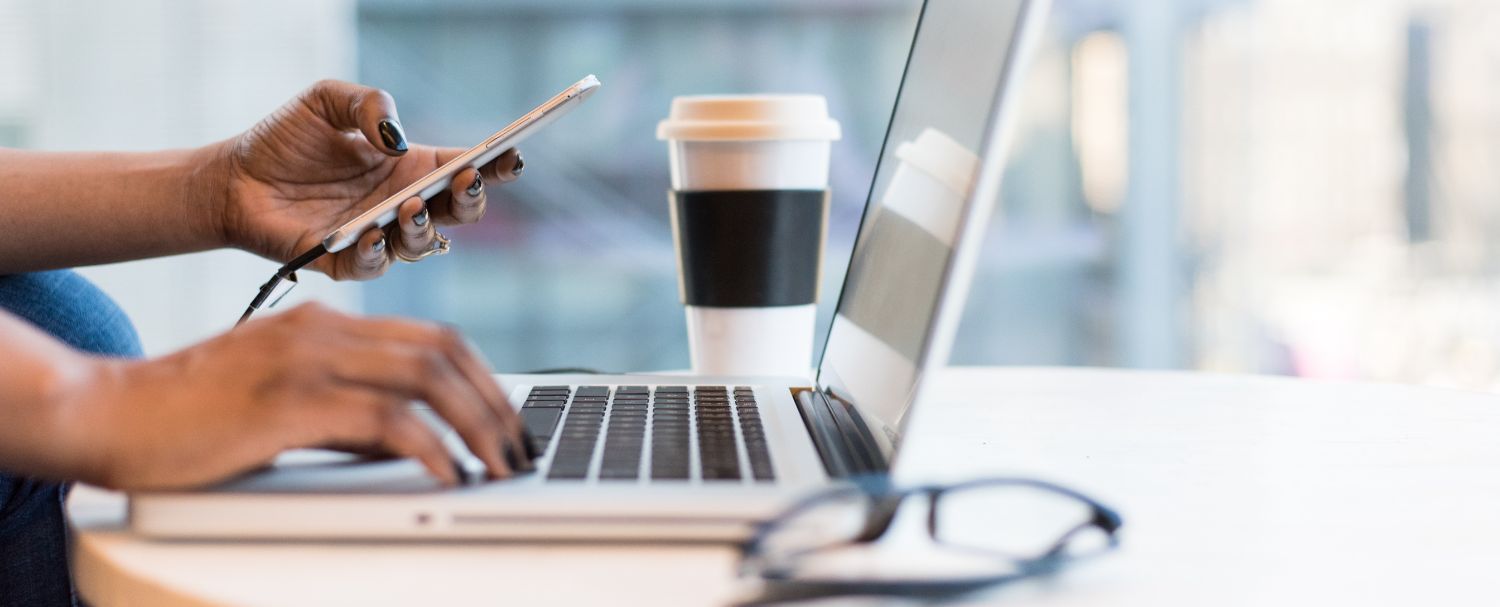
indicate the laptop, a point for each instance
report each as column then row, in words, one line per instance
column 702, row 458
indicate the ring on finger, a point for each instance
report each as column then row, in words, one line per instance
column 439, row 246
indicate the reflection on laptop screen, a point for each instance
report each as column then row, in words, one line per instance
column 881, row 328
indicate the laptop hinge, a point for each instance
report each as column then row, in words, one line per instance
column 843, row 441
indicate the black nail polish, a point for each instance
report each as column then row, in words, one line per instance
column 476, row 187
column 378, row 245
column 392, row 135
column 512, row 459
column 520, row 165
column 420, row 219
column 529, row 444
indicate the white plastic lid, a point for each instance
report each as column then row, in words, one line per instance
column 946, row 160
column 748, row 118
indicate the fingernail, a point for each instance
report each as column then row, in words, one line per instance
column 474, row 188
column 529, row 444
column 378, row 245
column 511, row 458
column 392, row 135
column 420, row 219
column 520, row 165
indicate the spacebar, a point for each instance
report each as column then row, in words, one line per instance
column 541, row 421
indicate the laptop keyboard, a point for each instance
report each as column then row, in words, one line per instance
column 665, row 433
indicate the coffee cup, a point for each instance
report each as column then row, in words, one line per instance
column 749, row 209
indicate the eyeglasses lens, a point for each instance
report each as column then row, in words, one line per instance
column 1017, row 521
column 836, row 519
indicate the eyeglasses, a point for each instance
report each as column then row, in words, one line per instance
column 980, row 534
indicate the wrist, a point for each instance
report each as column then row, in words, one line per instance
column 79, row 398
column 210, row 193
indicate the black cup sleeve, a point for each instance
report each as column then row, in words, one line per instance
column 749, row 248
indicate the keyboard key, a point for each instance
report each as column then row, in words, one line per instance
column 592, row 391
column 542, row 403
column 721, row 470
column 541, row 421
column 561, row 473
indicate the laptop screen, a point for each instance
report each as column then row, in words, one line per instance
column 883, row 326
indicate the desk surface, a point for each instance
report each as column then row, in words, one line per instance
column 1235, row 490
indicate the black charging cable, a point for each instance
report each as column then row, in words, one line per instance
column 271, row 293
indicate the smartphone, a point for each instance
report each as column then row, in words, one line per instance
column 437, row 181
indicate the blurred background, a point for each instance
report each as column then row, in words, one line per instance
column 1262, row 186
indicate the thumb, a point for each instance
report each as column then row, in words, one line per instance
column 349, row 106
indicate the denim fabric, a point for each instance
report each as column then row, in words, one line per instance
column 33, row 527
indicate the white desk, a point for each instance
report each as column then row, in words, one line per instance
column 1234, row 490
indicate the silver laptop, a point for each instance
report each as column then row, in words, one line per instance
column 698, row 457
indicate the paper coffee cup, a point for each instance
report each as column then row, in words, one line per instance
column 749, row 219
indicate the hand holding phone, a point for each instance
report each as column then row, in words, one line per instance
column 430, row 185
column 437, row 181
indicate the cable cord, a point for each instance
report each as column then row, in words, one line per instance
column 286, row 273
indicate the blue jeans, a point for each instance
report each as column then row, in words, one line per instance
column 33, row 526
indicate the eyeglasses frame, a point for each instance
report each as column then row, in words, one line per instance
column 885, row 501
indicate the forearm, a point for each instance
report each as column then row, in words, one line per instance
column 43, row 422
column 65, row 209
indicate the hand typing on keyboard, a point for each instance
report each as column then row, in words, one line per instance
column 310, row 377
